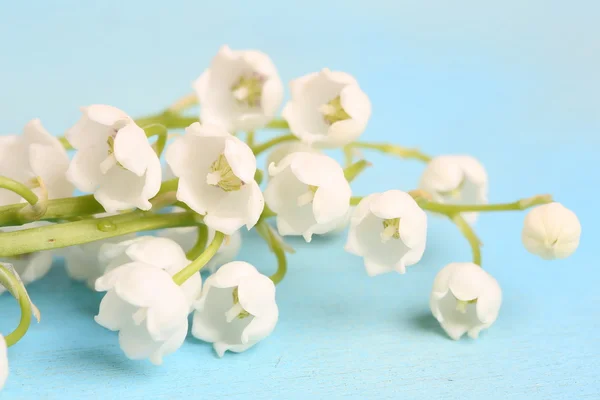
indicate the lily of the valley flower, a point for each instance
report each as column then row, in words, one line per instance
column 34, row 154
column 389, row 231
column 186, row 237
column 241, row 90
column 237, row 308
column 551, row 231
column 309, row 193
column 32, row 266
column 3, row 362
column 114, row 159
column 159, row 252
column 455, row 179
column 465, row 299
column 327, row 109
column 216, row 177
column 147, row 308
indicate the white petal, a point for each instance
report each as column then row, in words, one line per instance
column 240, row 158
column 257, row 294
column 3, row 362
column 84, row 170
column 131, row 148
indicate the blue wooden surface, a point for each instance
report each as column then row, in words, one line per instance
column 513, row 83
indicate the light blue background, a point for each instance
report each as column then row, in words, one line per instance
column 514, row 83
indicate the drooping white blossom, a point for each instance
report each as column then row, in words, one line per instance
column 465, row 299
column 237, row 308
column 146, row 307
column 114, row 159
column 31, row 266
column 456, row 179
column 327, row 109
column 216, row 177
column 389, row 230
column 159, row 252
column 551, row 231
column 241, row 90
column 309, row 193
column 186, row 237
column 34, row 154
column 3, row 362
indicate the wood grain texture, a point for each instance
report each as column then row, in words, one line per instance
column 513, row 83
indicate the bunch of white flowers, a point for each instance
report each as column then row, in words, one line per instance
column 153, row 283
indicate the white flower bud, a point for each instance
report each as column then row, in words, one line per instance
column 551, row 231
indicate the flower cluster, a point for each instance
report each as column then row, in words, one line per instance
column 153, row 283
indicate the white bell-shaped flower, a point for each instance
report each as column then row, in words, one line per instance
column 216, row 177
column 465, row 299
column 551, row 231
column 456, row 179
column 241, row 90
column 34, row 154
column 309, row 193
column 32, row 266
column 186, row 237
column 284, row 149
column 114, row 159
column 147, row 308
column 237, row 308
column 159, row 252
column 389, row 230
column 327, row 109
column 3, row 362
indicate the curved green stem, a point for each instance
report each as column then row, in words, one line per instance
column 162, row 133
column 353, row 170
column 278, row 124
column 200, row 244
column 273, row 142
column 276, row 246
column 56, row 236
column 196, row 265
column 451, row 209
column 63, row 140
column 24, row 302
column 392, row 149
column 470, row 235
column 250, row 138
column 19, row 188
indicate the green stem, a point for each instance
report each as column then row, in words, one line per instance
column 170, row 119
column 278, row 124
column 354, row 200
column 250, row 138
column 162, row 133
column 18, row 188
column 196, row 265
column 392, row 149
column 63, row 140
column 56, row 236
column 451, row 209
column 353, row 170
column 200, row 244
column 348, row 156
column 24, row 303
column 470, row 235
column 68, row 207
column 276, row 247
column 273, row 142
